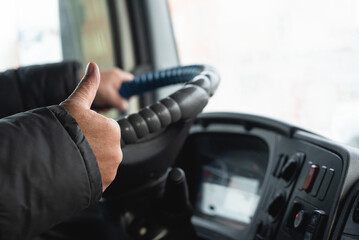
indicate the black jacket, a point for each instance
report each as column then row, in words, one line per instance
column 48, row 170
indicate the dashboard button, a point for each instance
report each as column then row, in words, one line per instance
column 310, row 179
column 289, row 169
column 326, row 183
column 316, row 224
column 305, row 170
column 293, row 213
column 314, row 220
column 299, row 220
column 319, row 181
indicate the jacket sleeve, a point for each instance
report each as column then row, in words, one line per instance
column 37, row 86
column 48, row 172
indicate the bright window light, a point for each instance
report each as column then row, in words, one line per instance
column 30, row 33
column 296, row 61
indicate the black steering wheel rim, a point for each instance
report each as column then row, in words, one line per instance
column 201, row 83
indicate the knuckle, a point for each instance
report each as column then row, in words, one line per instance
column 112, row 123
column 118, row 71
column 116, row 130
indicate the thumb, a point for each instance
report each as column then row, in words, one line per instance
column 85, row 91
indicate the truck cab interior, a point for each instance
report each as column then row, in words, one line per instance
column 238, row 170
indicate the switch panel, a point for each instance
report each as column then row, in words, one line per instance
column 311, row 203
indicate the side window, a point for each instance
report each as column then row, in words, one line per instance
column 29, row 34
column 44, row 31
column 85, row 31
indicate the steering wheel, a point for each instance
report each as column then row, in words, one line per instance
column 152, row 137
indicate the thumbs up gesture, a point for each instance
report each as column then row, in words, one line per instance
column 103, row 134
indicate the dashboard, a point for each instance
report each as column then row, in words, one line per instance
column 233, row 177
column 251, row 177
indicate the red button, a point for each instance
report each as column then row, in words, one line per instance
column 299, row 219
column 310, row 179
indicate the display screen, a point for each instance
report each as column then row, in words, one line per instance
column 227, row 195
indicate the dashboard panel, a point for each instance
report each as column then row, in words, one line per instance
column 256, row 178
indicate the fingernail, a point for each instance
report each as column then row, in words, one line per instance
column 89, row 69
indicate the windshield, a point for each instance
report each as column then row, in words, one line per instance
column 296, row 61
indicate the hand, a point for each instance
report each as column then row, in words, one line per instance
column 107, row 94
column 103, row 134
